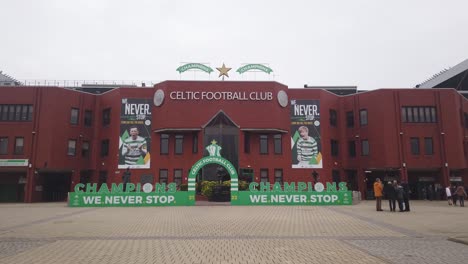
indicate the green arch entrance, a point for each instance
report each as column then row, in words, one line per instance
column 213, row 160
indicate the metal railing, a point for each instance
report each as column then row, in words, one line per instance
column 88, row 83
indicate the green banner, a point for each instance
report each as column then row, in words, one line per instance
column 133, row 199
column 293, row 198
column 249, row 67
column 197, row 66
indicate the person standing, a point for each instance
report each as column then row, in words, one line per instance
column 378, row 188
column 461, row 195
column 406, row 193
column 453, row 189
column 449, row 195
column 391, row 195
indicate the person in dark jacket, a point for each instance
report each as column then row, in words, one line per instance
column 461, row 195
column 391, row 195
column 406, row 193
column 126, row 178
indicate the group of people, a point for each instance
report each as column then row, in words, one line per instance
column 455, row 193
column 395, row 193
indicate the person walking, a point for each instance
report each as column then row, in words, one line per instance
column 461, row 195
column 378, row 188
column 400, row 196
column 453, row 189
column 449, row 195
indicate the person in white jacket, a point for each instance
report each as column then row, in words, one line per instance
column 449, row 195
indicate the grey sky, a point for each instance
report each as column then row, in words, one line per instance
column 369, row 43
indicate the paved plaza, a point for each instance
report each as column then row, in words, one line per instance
column 432, row 232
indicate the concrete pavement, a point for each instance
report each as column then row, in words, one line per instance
column 54, row 233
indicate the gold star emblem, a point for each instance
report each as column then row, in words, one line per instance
column 223, row 71
column 213, row 142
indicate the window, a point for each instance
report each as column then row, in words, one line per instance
column 178, row 177
column 105, row 148
column 263, row 144
column 85, row 149
column 71, row 147
column 365, row 147
column 279, row 176
column 264, row 175
column 278, row 144
column 418, row 114
column 162, row 176
column 334, row 147
column 195, row 143
column 17, row 112
column 428, row 146
column 19, row 145
column 350, row 119
column 179, row 144
column 352, row 148
column 74, row 116
column 414, row 142
column 106, row 116
column 363, row 117
column 3, row 145
column 333, row 117
column 164, row 147
column 88, row 118
column 246, row 142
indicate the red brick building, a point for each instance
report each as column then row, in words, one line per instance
column 52, row 138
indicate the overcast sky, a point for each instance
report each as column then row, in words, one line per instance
column 368, row 43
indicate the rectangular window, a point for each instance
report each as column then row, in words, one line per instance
column 279, row 176
column 24, row 113
column 19, row 145
column 179, row 144
column 4, row 116
column 414, row 142
column 195, row 143
column 163, row 176
column 246, row 142
column 88, row 118
column 71, row 147
column 105, row 148
column 334, row 147
column 11, row 113
column 418, row 114
column 365, row 147
column 428, row 146
column 30, row 112
column 352, row 148
column 278, row 144
column 350, row 119
column 178, row 177
column 363, row 117
column 18, row 113
column 263, row 144
column 333, row 117
column 164, row 146
column 404, row 115
column 3, row 145
column 85, row 149
column 264, row 175
column 106, row 115
column 74, row 116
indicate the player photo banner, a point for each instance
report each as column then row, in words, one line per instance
column 135, row 136
column 306, row 145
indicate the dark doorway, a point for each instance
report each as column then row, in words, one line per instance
column 56, row 186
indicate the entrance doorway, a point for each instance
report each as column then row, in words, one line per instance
column 56, row 186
